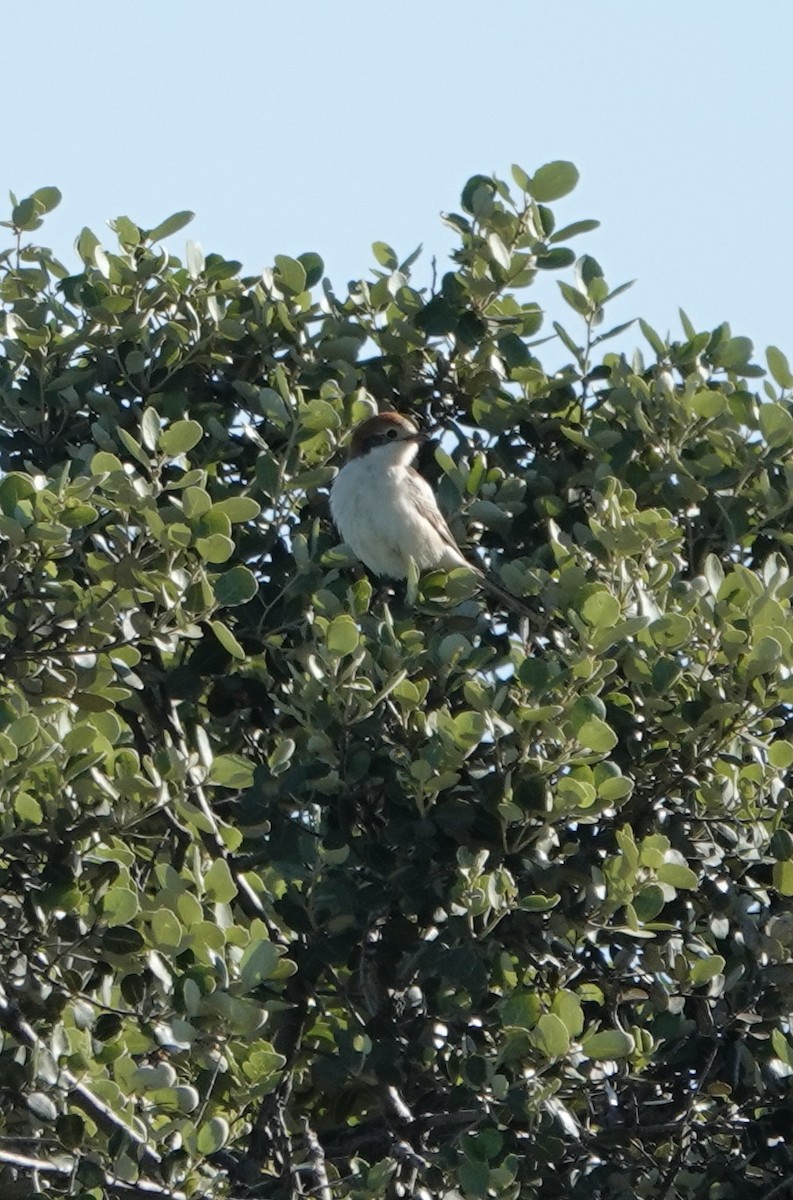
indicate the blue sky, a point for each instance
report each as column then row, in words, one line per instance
column 324, row 126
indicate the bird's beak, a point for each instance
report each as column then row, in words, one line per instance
column 424, row 435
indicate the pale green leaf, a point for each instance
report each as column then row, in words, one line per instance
column 180, row 437
column 232, row 771
column 608, row 1043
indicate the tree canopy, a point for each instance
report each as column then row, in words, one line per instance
column 315, row 887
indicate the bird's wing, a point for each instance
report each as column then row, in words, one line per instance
column 424, row 500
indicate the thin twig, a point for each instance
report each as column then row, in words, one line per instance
column 316, row 1155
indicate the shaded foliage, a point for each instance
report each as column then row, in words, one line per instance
column 306, row 889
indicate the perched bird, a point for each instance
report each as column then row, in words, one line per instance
column 387, row 513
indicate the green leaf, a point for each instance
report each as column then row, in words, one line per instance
column 227, row 639
column 24, row 216
column 281, row 756
column 474, row 1178
column 258, row 964
column 521, row 1009
column 577, row 300
column 783, row 877
column 776, row 424
column 24, row 730
column 134, row 447
column 236, row 586
column 86, row 245
column 573, row 230
column 714, row 573
column 468, row 728
column 167, row 929
column 575, row 793
column 780, row 755
column 781, row 844
column 134, row 363
column 537, row 903
column 553, row 181
column 238, row 508
column 343, row 635
column 688, row 328
column 290, row 274
column 600, row 609
column 554, row 260
column 219, row 883
column 122, row 940
column 128, row 234
column 103, row 463
column 608, row 1043
column 551, row 1036
column 70, row 1129
column 782, row 1047
column 658, row 344
column 779, row 367
column 120, row 906
column 195, row 501
column 477, row 196
column 733, row 354
column 671, row 630
column 313, row 266
column 232, row 771
column 596, row 735
column 169, row 226
column 708, row 404
column 180, row 437
column 705, row 969
column 385, row 255
column 212, row 1136
column 178, row 534
column 677, row 876
column 217, row 548
column 13, row 488
column 150, row 428
column 318, row 415
column 567, row 1007
column 587, row 270
column 46, row 198
column 27, row 808
column 648, row 902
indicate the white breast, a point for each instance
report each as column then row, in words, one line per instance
column 388, row 514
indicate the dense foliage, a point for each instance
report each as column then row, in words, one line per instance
column 312, row 887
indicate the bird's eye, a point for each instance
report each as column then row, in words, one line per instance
column 392, row 433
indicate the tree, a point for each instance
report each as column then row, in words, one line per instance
column 311, row 887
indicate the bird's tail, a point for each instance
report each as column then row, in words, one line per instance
column 504, row 597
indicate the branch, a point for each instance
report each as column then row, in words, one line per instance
column 269, row 1126
column 63, row 1166
column 67, row 1164
column 378, row 1135
column 396, row 1108
column 316, row 1157
column 778, row 1189
column 108, row 1121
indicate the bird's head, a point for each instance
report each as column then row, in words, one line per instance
column 394, row 438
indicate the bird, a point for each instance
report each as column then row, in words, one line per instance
column 386, row 511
